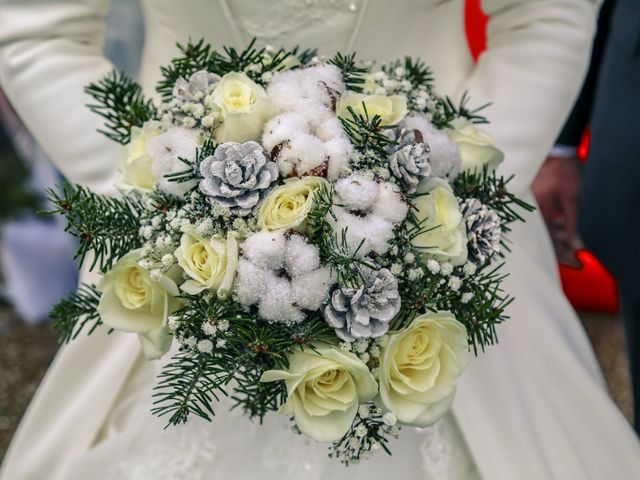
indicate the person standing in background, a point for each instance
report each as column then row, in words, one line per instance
column 607, row 201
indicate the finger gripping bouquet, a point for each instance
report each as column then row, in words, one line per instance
column 308, row 235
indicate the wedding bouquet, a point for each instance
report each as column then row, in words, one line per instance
column 318, row 235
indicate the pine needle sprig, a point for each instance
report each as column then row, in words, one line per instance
column 107, row 227
column 72, row 314
column 192, row 171
column 120, row 101
column 193, row 58
column 368, row 137
column 492, row 191
column 245, row 349
column 416, row 71
column 449, row 112
column 352, row 72
column 333, row 246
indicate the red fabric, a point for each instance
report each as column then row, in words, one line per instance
column 590, row 287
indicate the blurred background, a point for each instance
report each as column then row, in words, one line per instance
column 26, row 294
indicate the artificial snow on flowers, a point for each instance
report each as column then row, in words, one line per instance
column 315, row 236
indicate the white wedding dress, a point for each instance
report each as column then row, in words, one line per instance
column 534, row 407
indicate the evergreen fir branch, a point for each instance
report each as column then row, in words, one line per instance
column 106, row 227
column 194, row 57
column 368, row 137
column 492, row 191
column 72, row 314
column 352, row 72
column 245, row 349
column 192, row 172
column 451, row 111
column 416, row 71
column 305, row 56
column 188, row 385
column 334, row 250
column 120, row 101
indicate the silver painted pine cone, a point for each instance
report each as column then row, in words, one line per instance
column 483, row 230
column 194, row 89
column 409, row 159
column 365, row 311
column 237, row 176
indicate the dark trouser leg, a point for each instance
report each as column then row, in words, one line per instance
column 631, row 318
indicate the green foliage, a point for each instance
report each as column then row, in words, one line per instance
column 333, row 247
column 192, row 170
column 243, row 351
column 106, row 227
column 492, row 191
column 449, row 111
column 120, row 101
column 200, row 56
column 367, row 136
column 352, row 72
column 72, row 314
column 417, row 72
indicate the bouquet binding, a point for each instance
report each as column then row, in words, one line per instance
column 321, row 236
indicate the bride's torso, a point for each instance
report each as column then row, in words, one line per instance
column 376, row 29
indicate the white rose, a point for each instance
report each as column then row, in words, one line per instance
column 325, row 390
column 476, row 146
column 444, row 234
column 244, row 107
column 391, row 109
column 135, row 162
column 211, row 263
column 132, row 302
column 287, row 206
column 420, row 366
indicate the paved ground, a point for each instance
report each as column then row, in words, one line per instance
column 26, row 351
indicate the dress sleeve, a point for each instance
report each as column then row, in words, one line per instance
column 49, row 50
column 536, row 58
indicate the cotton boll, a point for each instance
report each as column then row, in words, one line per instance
column 356, row 192
column 285, row 90
column 445, row 156
column 362, row 234
column 301, row 154
column 311, row 290
column 389, row 204
column 317, row 80
column 301, row 257
column 281, row 128
column 339, row 151
column 377, row 233
column 266, row 249
column 166, row 149
column 277, row 303
column 251, row 282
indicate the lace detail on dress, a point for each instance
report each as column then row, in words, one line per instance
column 179, row 453
column 287, row 16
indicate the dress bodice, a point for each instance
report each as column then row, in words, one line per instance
column 375, row 29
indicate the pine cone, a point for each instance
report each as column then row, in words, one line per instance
column 409, row 159
column 237, row 176
column 483, row 230
column 194, row 89
column 365, row 311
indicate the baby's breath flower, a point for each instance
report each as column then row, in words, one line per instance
column 389, row 419
column 205, row 346
column 466, row 297
column 446, row 268
column 433, row 265
column 364, row 411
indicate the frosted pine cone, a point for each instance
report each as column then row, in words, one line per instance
column 483, row 230
column 409, row 159
column 365, row 311
column 237, row 176
column 194, row 89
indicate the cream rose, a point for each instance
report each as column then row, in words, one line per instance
column 287, row 206
column 135, row 162
column 244, row 108
column 444, row 235
column 391, row 110
column 325, row 390
column 420, row 366
column 476, row 146
column 211, row 263
column 132, row 302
